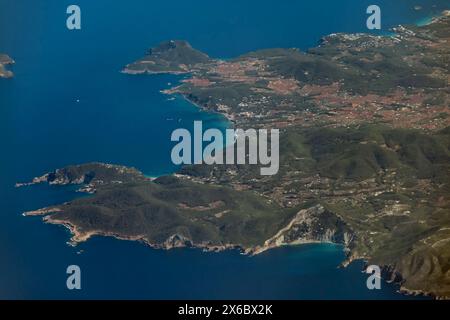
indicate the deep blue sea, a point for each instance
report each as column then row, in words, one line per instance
column 68, row 104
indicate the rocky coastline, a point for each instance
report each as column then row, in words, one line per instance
column 5, row 60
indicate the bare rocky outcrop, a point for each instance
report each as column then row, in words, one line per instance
column 4, row 61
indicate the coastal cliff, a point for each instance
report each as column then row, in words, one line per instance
column 4, row 61
column 364, row 154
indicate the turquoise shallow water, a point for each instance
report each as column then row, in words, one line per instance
column 125, row 120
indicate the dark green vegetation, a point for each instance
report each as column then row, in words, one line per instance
column 363, row 152
column 92, row 175
column 390, row 186
column 384, row 193
column 5, row 60
column 170, row 208
column 368, row 64
column 95, row 174
column 173, row 56
column 364, row 157
column 406, row 72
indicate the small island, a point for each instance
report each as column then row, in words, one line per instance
column 364, row 157
column 4, row 61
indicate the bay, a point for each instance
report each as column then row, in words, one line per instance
column 68, row 103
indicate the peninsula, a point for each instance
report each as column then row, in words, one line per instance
column 364, row 157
